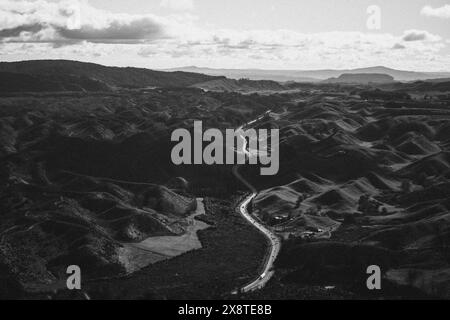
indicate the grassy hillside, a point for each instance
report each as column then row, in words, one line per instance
column 65, row 75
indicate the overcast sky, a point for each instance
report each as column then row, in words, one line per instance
column 266, row 34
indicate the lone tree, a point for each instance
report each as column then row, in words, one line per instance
column 406, row 186
column 299, row 201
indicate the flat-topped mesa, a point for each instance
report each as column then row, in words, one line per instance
column 361, row 78
column 239, row 146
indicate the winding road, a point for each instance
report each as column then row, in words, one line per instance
column 275, row 243
column 269, row 259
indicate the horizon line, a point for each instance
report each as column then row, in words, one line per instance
column 223, row 68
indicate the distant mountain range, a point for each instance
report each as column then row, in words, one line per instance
column 311, row 75
column 67, row 75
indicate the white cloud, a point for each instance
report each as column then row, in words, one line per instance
column 398, row 46
column 180, row 5
column 441, row 12
column 282, row 49
column 45, row 21
column 289, row 49
column 419, row 35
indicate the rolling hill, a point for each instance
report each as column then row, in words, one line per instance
column 66, row 75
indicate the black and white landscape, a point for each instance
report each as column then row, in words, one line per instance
column 91, row 92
